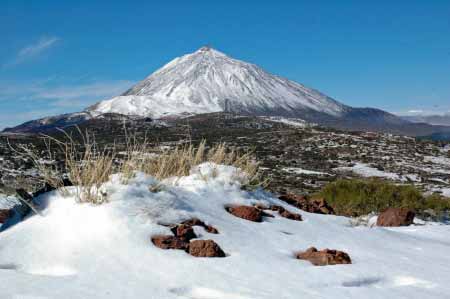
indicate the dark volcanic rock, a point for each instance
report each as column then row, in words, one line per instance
column 318, row 205
column 205, row 248
column 4, row 215
column 246, row 212
column 396, row 217
column 324, row 257
column 169, row 242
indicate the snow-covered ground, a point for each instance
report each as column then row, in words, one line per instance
column 84, row 251
column 295, row 122
column 7, row 202
column 365, row 170
column 304, row 171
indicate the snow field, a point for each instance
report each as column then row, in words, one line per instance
column 85, row 251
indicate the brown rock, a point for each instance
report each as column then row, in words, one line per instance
column 279, row 209
column 290, row 215
column 211, row 229
column 4, row 215
column 184, row 232
column 205, row 248
column 197, row 222
column 324, row 257
column 261, row 206
column 194, row 222
column 396, row 217
column 246, row 212
column 169, row 242
column 317, row 205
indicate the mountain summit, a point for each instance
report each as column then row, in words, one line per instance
column 210, row 81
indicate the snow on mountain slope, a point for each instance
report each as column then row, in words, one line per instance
column 209, row 81
column 84, row 251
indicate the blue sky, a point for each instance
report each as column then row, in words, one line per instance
column 62, row 56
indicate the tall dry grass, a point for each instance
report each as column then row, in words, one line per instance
column 179, row 161
column 88, row 167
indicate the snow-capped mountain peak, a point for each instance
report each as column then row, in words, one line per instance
column 207, row 80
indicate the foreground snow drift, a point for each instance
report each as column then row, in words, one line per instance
column 84, row 251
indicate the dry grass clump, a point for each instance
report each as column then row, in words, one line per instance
column 84, row 164
column 179, row 161
column 88, row 167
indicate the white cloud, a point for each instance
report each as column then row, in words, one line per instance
column 33, row 50
column 424, row 111
column 41, row 90
column 44, row 98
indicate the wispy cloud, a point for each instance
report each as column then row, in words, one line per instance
column 424, row 111
column 33, row 50
column 25, row 101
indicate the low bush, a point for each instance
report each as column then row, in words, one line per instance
column 356, row 197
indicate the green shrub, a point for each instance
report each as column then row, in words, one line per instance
column 357, row 197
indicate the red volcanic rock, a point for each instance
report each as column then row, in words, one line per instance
column 279, row 209
column 197, row 222
column 396, row 217
column 318, row 205
column 205, row 248
column 261, row 206
column 170, row 242
column 184, row 232
column 324, row 257
column 4, row 215
column 290, row 215
column 246, row 212
column 211, row 229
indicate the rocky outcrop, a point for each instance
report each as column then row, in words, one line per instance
column 396, row 217
column 316, row 205
column 205, row 248
column 246, row 212
column 324, row 257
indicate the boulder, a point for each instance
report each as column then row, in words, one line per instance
column 396, row 217
column 169, row 242
column 184, row 232
column 246, row 212
column 316, row 205
column 4, row 215
column 205, row 248
column 324, row 257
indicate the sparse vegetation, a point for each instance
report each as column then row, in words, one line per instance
column 87, row 166
column 179, row 161
column 356, row 197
